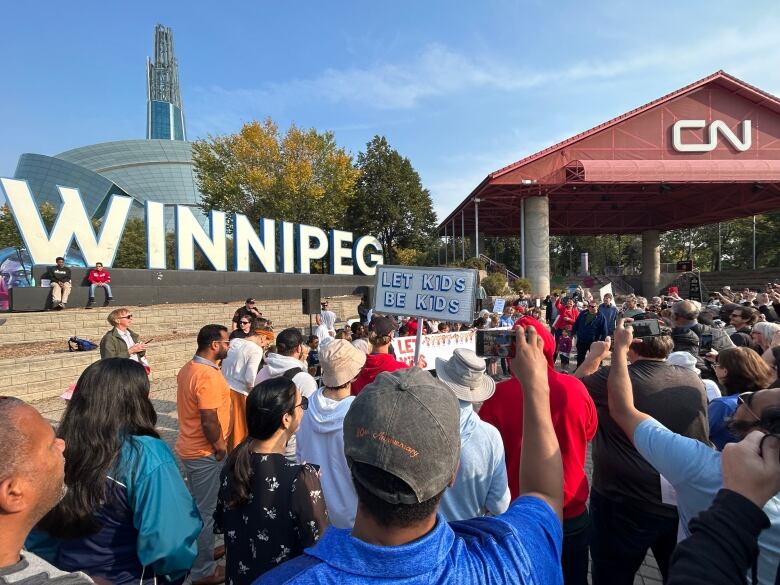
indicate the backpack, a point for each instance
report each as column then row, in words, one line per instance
column 291, row 373
column 78, row 344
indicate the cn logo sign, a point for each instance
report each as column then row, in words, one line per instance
column 718, row 126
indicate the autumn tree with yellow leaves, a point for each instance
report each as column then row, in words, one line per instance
column 301, row 176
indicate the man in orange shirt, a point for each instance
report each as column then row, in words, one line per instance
column 203, row 406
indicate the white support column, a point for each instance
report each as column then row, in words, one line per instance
column 537, row 243
column 462, row 235
column 454, row 250
column 651, row 262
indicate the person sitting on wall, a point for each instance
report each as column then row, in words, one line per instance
column 121, row 341
column 99, row 277
column 59, row 277
column 248, row 310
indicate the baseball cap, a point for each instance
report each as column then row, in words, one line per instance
column 250, row 301
column 383, row 326
column 341, row 362
column 405, row 423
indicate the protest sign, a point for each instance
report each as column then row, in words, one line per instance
column 498, row 307
column 439, row 345
column 606, row 290
column 442, row 294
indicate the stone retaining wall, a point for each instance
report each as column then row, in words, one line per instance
column 37, row 377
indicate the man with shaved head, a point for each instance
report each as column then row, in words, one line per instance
column 32, row 470
column 690, row 466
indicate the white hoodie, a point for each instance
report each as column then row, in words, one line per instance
column 321, row 442
column 275, row 366
column 241, row 364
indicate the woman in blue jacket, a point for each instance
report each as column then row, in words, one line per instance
column 127, row 516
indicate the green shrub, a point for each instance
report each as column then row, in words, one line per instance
column 473, row 262
column 495, row 284
column 522, row 284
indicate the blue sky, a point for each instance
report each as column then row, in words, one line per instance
column 461, row 88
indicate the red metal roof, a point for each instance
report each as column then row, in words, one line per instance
column 673, row 171
column 634, row 148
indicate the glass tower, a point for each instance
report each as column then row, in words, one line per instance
column 164, row 115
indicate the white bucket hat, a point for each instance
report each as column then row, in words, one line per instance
column 684, row 360
column 464, row 374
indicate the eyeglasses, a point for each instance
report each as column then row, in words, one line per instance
column 304, row 403
column 745, row 399
column 126, row 317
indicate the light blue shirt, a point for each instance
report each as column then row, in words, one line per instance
column 481, row 484
column 693, row 468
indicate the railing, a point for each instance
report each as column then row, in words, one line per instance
column 666, row 267
column 493, row 266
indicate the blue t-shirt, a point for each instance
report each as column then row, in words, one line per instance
column 523, row 545
column 718, row 413
column 693, row 469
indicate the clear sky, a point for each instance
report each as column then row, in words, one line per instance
column 461, row 88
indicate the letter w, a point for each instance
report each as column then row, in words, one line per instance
column 72, row 222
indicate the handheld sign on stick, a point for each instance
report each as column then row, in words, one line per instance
column 443, row 294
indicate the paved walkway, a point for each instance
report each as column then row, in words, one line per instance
column 164, row 400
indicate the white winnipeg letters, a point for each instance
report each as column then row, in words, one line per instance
column 299, row 245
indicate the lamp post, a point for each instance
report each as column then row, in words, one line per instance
column 476, row 226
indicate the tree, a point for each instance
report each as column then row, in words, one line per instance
column 132, row 247
column 301, row 177
column 9, row 233
column 391, row 202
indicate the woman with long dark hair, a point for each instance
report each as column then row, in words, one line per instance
column 739, row 370
column 127, row 516
column 269, row 509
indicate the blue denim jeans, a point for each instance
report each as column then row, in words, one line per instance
column 92, row 288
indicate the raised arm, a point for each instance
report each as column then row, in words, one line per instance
column 541, row 467
column 596, row 354
column 621, row 395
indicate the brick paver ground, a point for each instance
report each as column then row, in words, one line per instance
column 164, row 400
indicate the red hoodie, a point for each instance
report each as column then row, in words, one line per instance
column 375, row 363
column 574, row 419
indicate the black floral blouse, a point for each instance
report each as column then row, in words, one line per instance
column 286, row 513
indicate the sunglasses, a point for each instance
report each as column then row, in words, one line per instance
column 126, row 317
column 244, row 322
column 745, row 399
column 304, row 403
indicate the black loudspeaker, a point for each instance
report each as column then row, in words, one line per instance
column 310, row 299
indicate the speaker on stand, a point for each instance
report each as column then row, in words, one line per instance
column 310, row 302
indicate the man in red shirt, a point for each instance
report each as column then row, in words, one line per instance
column 99, row 277
column 575, row 421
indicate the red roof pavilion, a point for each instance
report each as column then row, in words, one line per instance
column 629, row 174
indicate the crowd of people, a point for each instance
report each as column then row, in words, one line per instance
column 324, row 459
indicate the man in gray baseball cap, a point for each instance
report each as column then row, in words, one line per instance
column 401, row 440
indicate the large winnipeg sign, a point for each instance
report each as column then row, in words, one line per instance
column 298, row 245
column 717, row 126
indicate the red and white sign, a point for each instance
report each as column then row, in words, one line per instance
column 438, row 345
